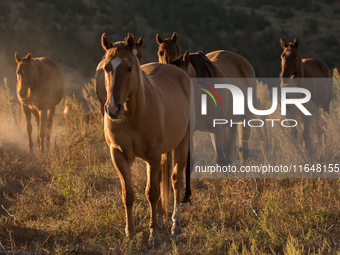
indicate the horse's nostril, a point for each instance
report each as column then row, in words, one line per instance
column 119, row 107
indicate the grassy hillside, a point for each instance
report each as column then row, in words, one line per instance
column 69, row 31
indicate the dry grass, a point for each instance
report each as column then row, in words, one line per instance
column 68, row 200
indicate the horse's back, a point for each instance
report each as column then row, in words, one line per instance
column 321, row 87
column 168, row 77
column 315, row 68
column 232, row 64
column 51, row 82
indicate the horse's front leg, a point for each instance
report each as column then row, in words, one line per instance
column 42, row 128
column 152, row 194
column 123, row 167
column 27, row 113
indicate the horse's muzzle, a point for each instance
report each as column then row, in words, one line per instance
column 113, row 111
column 285, row 77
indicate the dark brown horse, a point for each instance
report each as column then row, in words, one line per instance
column 293, row 66
column 217, row 64
column 40, row 87
column 145, row 116
column 100, row 78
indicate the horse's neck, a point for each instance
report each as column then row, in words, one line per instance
column 39, row 72
column 136, row 103
column 300, row 69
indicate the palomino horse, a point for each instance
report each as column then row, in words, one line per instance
column 222, row 64
column 100, row 77
column 145, row 116
column 40, row 87
column 293, row 66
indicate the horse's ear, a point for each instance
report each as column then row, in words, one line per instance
column 174, row 37
column 140, row 42
column 29, row 57
column 159, row 39
column 130, row 41
column 167, row 58
column 186, row 58
column 296, row 43
column 17, row 58
column 283, row 44
column 106, row 43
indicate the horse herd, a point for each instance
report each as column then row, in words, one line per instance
column 148, row 111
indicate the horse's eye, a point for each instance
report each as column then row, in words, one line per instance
column 174, row 54
column 129, row 70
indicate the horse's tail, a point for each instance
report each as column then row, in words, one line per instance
column 166, row 165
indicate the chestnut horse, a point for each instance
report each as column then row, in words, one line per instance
column 294, row 66
column 217, row 64
column 100, row 78
column 40, row 87
column 145, row 116
column 170, row 45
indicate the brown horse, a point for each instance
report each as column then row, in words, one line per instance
column 145, row 116
column 217, row 64
column 100, row 77
column 170, row 45
column 40, row 87
column 293, row 66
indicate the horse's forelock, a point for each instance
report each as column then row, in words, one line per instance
column 25, row 60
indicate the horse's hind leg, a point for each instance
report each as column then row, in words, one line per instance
column 36, row 115
column 27, row 113
column 50, row 113
column 243, row 136
column 180, row 160
column 219, row 139
column 230, row 148
column 188, row 170
column 123, row 168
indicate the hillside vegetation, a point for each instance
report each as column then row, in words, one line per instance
column 69, row 31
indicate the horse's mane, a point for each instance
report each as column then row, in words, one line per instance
column 203, row 66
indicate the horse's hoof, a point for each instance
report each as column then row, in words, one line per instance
column 186, row 199
column 176, row 229
column 154, row 240
column 129, row 233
